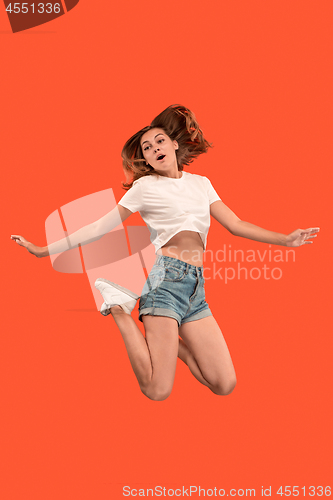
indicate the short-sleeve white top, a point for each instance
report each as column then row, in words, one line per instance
column 169, row 205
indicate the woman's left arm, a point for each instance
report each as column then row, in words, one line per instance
column 237, row 227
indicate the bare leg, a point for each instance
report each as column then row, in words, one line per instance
column 206, row 354
column 187, row 357
column 153, row 358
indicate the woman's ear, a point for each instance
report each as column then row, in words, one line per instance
column 176, row 145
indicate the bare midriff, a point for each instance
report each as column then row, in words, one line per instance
column 186, row 246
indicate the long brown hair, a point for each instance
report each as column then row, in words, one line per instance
column 180, row 124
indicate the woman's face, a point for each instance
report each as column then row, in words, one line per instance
column 159, row 150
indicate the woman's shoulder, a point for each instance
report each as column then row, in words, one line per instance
column 145, row 179
column 196, row 177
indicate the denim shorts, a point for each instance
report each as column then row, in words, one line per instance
column 174, row 289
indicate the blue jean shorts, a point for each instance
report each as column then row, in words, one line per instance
column 174, row 289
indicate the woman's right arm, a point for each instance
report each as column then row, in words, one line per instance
column 84, row 235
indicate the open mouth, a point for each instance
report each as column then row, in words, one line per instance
column 160, row 157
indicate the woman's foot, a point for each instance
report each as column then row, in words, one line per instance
column 115, row 295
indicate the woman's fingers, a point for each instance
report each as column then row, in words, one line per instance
column 20, row 242
column 311, row 230
column 37, row 251
column 301, row 236
column 309, row 233
column 19, row 239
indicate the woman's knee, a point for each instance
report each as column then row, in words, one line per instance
column 156, row 393
column 225, row 387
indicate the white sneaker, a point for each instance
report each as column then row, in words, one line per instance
column 115, row 295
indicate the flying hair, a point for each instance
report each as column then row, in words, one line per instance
column 180, row 124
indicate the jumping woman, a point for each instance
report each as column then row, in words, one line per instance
column 176, row 206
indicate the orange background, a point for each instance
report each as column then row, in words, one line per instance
column 258, row 76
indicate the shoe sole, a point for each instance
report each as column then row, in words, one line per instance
column 121, row 288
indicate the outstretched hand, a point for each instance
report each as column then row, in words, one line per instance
column 301, row 236
column 27, row 244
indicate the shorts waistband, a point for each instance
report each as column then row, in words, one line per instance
column 163, row 260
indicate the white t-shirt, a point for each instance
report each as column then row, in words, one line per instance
column 169, row 205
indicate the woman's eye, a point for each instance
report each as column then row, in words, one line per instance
column 161, row 140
